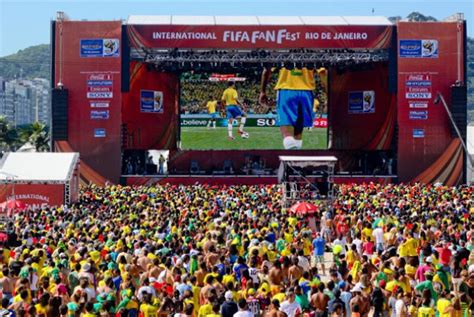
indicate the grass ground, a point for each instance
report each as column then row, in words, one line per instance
column 261, row 138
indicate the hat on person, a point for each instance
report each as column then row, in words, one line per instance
column 62, row 289
column 228, row 295
column 357, row 288
column 86, row 267
column 342, row 285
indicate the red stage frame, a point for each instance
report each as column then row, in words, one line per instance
column 425, row 148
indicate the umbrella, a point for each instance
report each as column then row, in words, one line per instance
column 304, row 209
column 13, row 204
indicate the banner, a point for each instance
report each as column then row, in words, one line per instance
column 418, row 49
column 362, row 101
column 35, row 195
column 151, row 101
column 202, row 121
column 100, row 48
column 259, row 36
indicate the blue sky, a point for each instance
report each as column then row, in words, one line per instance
column 25, row 23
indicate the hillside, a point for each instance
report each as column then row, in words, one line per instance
column 31, row 62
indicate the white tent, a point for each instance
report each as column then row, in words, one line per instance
column 40, row 178
column 37, row 167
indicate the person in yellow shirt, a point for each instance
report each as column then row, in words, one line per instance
column 294, row 102
column 230, row 98
column 89, row 310
column 211, row 107
column 147, row 308
column 42, row 308
column 412, row 246
column 205, row 310
column 442, row 304
column 426, row 310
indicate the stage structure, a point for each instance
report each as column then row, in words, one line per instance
column 298, row 174
column 118, row 88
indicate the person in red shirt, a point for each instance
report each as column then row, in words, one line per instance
column 342, row 227
column 445, row 254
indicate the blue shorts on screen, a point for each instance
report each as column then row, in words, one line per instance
column 233, row 112
column 295, row 108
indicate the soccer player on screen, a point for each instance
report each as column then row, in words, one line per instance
column 294, row 102
column 233, row 110
column 211, row 109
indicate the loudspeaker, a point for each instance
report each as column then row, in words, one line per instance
column 59, row 109
column 459, row 109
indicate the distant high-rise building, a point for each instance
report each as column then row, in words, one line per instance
column 2, row 96
column 25, row 101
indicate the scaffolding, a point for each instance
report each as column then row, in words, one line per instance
column 299, row 185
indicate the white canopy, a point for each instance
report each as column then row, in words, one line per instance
column 255, row 20
column 37, row 167
column 304, row 161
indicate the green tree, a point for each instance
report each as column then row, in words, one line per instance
column 39, row 137
column 8, row 136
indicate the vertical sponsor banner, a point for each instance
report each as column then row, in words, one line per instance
column 90, row 66
column 428, row 58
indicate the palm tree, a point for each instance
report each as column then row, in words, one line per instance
column 39, row 137
column 8, row 136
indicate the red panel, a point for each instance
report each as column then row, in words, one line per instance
column 417, row 154
column 35, row 194
column 151, row 130
column 360, row 131
column 216, row 180
column 101, row 154
column 251, row 37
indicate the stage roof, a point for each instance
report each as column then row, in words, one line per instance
column 37, row 167
column 256, row 20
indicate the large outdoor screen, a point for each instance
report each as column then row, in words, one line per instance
column 212, row 106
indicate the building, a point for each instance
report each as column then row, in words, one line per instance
column 25, row 101
column 2, row 96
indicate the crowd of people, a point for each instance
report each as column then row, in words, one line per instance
column 217, row 251
column 195, row 93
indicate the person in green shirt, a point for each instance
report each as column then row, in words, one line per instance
column 428, row 284
column 301, row 298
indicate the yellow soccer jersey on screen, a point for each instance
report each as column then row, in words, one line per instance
column 296, row 79
column 211, row 106
column 316, row 105
column 230, row 96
